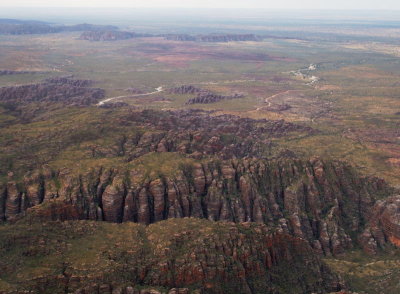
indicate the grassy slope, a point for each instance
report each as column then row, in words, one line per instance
column 366, row 274
column 41, row 255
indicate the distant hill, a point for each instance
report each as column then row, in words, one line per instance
column 113, row 35
column 213, row 37
column 22, row 27
column 110, row 35
column 17, row 21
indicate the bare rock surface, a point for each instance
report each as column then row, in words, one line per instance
column 383, row 226
column 325, row 203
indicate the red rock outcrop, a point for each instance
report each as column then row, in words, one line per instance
column 383, row 225
column 323, row 202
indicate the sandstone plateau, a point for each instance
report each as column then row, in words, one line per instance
column 325, row 203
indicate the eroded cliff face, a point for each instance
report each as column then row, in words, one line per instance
column 199, row 255
column 325, row 203
column 383, row 226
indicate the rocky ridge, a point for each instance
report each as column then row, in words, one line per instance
column 132, row 133
column 208, row 97
column 383, row 226
column 63, row 90
column 15, row 72
column 198, row 134
column 15, row 27
column 186, row 89
column 199, row 255
column 213, row 37
column 203, row 96
column 325, row 203
column 114, row 35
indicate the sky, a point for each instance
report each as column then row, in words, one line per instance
column 274, row 4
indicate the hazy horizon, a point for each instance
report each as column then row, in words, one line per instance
column 61, row 14
column 254, row 4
